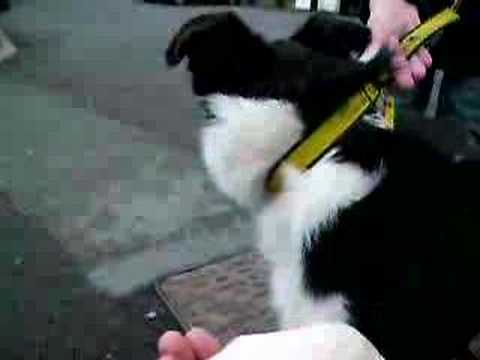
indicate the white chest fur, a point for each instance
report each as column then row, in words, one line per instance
column 239, row 150
column 311, row 202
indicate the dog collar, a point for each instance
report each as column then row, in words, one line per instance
column 306, row 152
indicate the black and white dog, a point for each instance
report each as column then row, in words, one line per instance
column 382, row 232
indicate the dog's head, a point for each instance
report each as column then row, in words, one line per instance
column 213, row 32
column 219, row 48
column 264, row 95
column 224, row 33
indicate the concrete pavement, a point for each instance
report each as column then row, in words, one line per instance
column 100, row 138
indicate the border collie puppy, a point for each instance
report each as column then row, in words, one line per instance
column 382, row 232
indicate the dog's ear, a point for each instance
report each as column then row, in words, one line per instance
column 219, row 30
column 191, row 32
column 223, row 53
column 333, row 34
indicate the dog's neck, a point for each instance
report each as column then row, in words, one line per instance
column 246, row 139
column 249, row 136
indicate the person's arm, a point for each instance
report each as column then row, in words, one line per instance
column 389, row 20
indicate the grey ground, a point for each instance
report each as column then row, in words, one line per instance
column 102, row 186
column 100, row 140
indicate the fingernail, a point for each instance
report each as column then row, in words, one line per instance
column 167, row 357
column 197, row 330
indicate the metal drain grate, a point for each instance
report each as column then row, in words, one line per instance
column 228, row 298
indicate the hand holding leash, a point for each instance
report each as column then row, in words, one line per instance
column 309, row 150
column 389, row 21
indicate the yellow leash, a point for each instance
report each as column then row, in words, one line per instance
column 307, row 152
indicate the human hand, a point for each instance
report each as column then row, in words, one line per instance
column 197, row 344
column 322, row 341
column 389, row 21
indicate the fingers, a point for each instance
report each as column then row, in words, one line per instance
column 412, row 20
column 389, row 23
column 204, row 345
column 371, row 50
column 401, row 66
column 425, row 57
column 174, row 346
column 404, row 79
column 419, row 64
column 197, row 344
column 408, row 73
column 418, row 68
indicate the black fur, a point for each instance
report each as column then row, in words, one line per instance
column 408, row 255
column 225, row 56
column 322, row 33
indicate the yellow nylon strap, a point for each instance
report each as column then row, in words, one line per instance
column 320, row 140
column 389, row 113
column 416, row 38
column 309, row 150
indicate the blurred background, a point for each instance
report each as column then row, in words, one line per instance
column 102, row 190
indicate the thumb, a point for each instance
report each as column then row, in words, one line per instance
column 372, row 49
